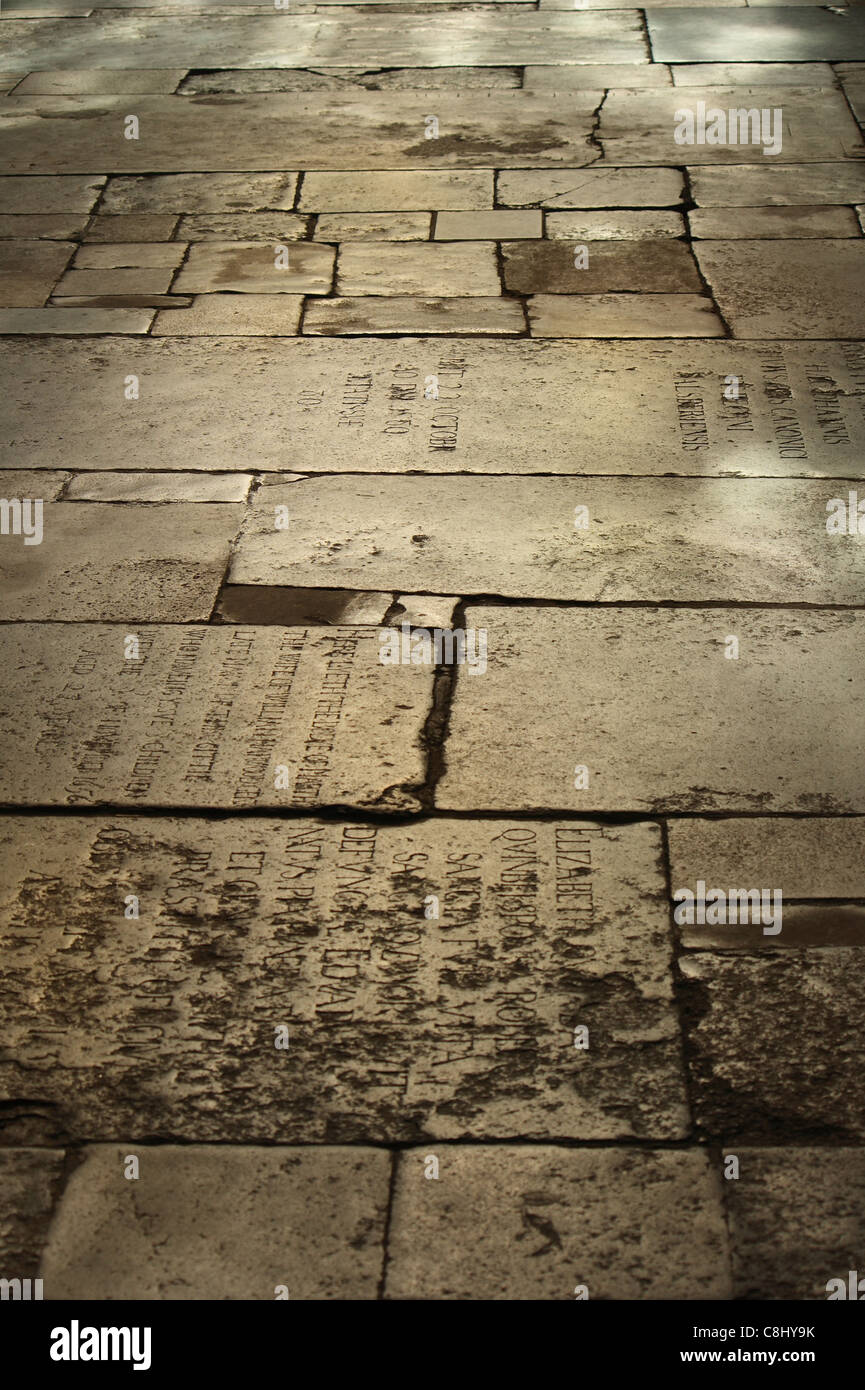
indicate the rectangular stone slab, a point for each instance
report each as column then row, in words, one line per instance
column 766, row 35
column 646, row 539
column 30, row 1181
column 778, row 185
column 809, row 857
column 622, row 692
column 590, row 407
column 768, row 289
column 207, row 716
column 400, row 1026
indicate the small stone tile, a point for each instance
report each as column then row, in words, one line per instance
column 569, row 77
column 61, row 193
column 804, row 35
column 662, row 267
column 373, row 226
column 194, row 193
column 536, row 1222
column 310, row 1221
column 233, row 315
column 640, row 225
column 140, row 226
column 243, row 226
column 126, row 254
column 102, row 81
column 411, row 314
column 158, row 487
column 29, row 270
column 18, row 226
column 783, row 289
column 406, row 190
column 30, row 1181
column 752, row 74
column 249, row 268
column 773, row 223
column 73, row 320
column 500, row 225
column 807, row 858
column 385, row 268
column 775, row 185
column 590, row 188
column 136, row 280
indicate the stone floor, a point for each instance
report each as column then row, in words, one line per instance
column 431, row 545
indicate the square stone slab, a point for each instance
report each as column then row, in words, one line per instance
column 663, row 267
column 250, row 267
column 624, row 689
column 795, row 1218
column 207, row 716
column 419, row 268
column 772, row 289
column 597, row 407
column 401, row 190
column 773, row 1056
column 233, row 315
column 373, row 226
column 308, row 1220
column 391, row 314
column 773, row 223
column 768, row 35
column 30, row 1182
column 64, row 321
column 639, row 225
column 809, row 858
column 197, row 193
column 499, row 225
column 623, row 316
column 400, row 1026
column 517, row 537
column 29, row 270
column 533, row 1222
column 61, row 194
column 777, row 185
column 119, row 564
column 590, row 188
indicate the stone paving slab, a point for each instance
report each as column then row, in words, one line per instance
column 500, row 225
column 337, row 79
column 662, row 267
column 239, row 226
column 809, row 857
column 615, row 408
column 775, row 289
column 642, row 224
column 561, row 78
column 623, row 316
column 176, row 727
column 486, row 316
column 140, row 226
column 103, row 81
column 140, row 280
column 776, row 185
column 233, row 315
column 320, row 928
column 590, row 188
column 30, row 1181
column 778, row 34
column 773, row 223
column 398, row 190
column 773, row 1053
column 29, row 270
column 110, row 564
column 373, row 226
column 158, row 487
column 42, row 484
column 63, row 193
column 220, row 1223
column 623, row 690
column 457, row 270
column 251, row 267
column 535, row 1222
column 66, row 321
column 56, row 227
column 795, row 1218
column 752, row 74
column 199, row 193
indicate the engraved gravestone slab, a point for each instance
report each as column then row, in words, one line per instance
column 207, row 716
column 399, row 1025
column 645, row 408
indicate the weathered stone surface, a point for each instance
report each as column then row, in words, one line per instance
column 27, row 226
column 288, row 606
column 487, row 316
column 801, row 924
column 808, row 858
column 240, row 226
column 752, row 74
column 622, row 691
column 425, row 610
column 615, row 408
column 623, row 316
column 135, row 564
column 69, row 320
column 32, row 484
column 373, row 226
column 233, row 315
column 29, row 270
column 250, row 267
column 158, row 487
column 534, row 1222
column 30, row 1180
column 775, row 289
column 772, row 1051
column 58, row 194
column 208, row 715
column 139, row 226
column 560, row 78
column 401, row 190
column 774, row 36
column 103, row 81
column 663, row 267
column 121, row 301
column 198, row 193
column 337, row 79
column 639, row 225
column 399, row 1026
column 144, row 280
column 775, row 185
column 517, row 537
column 773, row 222
column 421, row 268
column 9, row 80
column 159, row 41
column 111, row 256
column 590, row 188
column 795, row 1218
column 500, row 225
column 221, row 1223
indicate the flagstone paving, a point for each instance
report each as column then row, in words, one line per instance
column 431, row 624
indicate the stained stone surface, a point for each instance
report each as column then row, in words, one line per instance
column 773, row 222
column 66, row 321
column 147, row 280
column 774, row 35
column 500, row 225
column 233, row 315
column 487, row 316
column 664, row 267
column 373, row 226
column 776, row 185
column 139, row 226
column 590, row 188
column 399, row 1026
column 208, row 715
column 24, row 226
column 239, row 226
column 623, row 316
column 533, row 1222
column 623, row 690
column 110, row 256
column 107, row 563
column 639, row 225
column 250, row 267
column 796, row 1220
column 773, row 1052
column 58, row 194
column 29, row 270
column 159, row 487
column 30, row 1180
column 311, row 1220
column 198, row 193
column 375, row 268
column 401, row 190
column 775, row 289
column 809, row 858
column 615, row 408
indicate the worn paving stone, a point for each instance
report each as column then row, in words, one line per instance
column 75, row 321
column 29, row 270
column 25, row 227
column 373, row 226
column 517, row 537
column 9, row 80
column 140, row 280
column 337, row 79
column 239, row 226
column 139, row 226
column 233, row 315
column 33, row 484
column 534, row 1222
column 662, row 267
column 400, row 190
column 113, row 255
column 808, row 858
column 639, row 127
column 622, row 691
column 774, row 35
column 499, row 225
column 368, row 314
column 200, row 193
column 421, row 268
column 623, row 316
column 598, row 407
column 590, row 188
column 158, row 487
column 773, row 223
column 640, row 225
column 815, row 925
column 795, row 1218
column 121, row 301
column 30, row 1180
column 102, row 81
column 159, row 41
column 772, row 1052
column 775, row 289
column 752, row 74
column 425, row 610
column 393, row 1035
column 289, row 606
column 776, row 185
column 138, row 563
column 249, row 267
column 560, row 78
column 221, row 1223
column 207, row 715
column 63, row 193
